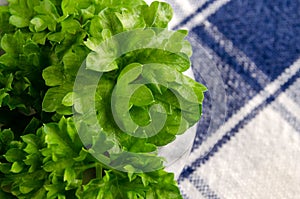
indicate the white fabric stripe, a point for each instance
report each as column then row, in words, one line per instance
column 244, row 111
column 202, row 16
column 261, row 161
column 185, row 6
column 190, row 190
column 198, row 4
column 182, row 10
column 239, row 56
column 289, row 105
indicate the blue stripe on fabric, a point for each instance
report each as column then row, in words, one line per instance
column 231, row 61
column 203, row 188
column 239, row 87
column 204, row 123
column 294, row 92
column 287, row 116
column 188, row 18
column 202, row 160
column 214, row 104
column 267, row 31
column 235, row 85
column 204, row 65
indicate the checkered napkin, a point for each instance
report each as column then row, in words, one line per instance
column 247, row 52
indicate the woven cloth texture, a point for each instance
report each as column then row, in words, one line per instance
column 247, row 52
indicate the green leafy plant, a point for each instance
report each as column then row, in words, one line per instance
column 43, row 46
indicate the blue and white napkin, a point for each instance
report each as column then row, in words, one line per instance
column 247, row 52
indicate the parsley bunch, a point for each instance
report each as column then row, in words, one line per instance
column 43, row 46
